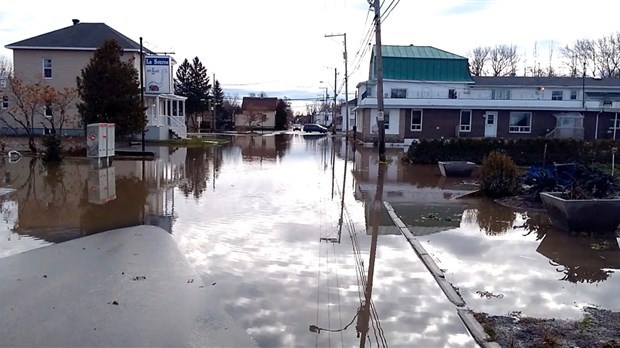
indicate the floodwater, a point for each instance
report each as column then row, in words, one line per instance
column 280, row 228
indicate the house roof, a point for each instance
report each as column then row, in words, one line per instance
column 79, row 36
column 420, row 63
column 259, row 104
column 529, row 81
column 412, row 51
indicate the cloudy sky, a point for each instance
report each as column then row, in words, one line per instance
column 279, row 46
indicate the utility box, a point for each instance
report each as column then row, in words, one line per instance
column 101, row 185
column 100, row 140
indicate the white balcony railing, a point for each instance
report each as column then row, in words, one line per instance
column 468, row 103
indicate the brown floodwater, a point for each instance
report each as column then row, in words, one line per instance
column 283, row 226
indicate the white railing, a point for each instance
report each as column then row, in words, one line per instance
column 566, row 133
column 177, row 125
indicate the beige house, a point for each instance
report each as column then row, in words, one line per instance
column 257, row 113
column 57, row 58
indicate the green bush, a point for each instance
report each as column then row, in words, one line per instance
column 498, row 175
column 523, row 151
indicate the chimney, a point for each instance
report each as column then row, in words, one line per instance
column 75, row 21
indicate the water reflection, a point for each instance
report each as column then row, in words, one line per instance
column 581, row 259
column 491, row 218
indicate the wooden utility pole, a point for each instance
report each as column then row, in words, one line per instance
column 346, row 85
column 142, row 86
column 213, row 105
column 379, row 65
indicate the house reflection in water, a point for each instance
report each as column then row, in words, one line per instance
column 263, row 147
column 418, row 193
column 75, row 199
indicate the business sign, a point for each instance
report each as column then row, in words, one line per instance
column 157, row 78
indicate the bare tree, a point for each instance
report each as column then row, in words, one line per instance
column 478, row 59
column 6, row 68
column 586, row 51
column 572, row 61
column 503, row 60
column 25, row 104
column 608, row 55
column 59, row 102
column 254, row 118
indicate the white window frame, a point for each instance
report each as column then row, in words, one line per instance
column 5, row 102
column 465, row 127
column 520, row 129
column 557, row 95
column 574, row 94
column 398, row 93
column 617, row 125
column 500, row 94
column 417, row 127
column 47, row 67
column 48, row 112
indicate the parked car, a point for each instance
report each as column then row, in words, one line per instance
column 309, row 128
column 296, row 127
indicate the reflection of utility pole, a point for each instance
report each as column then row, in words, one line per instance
column 364, row 317
column 334, row 108
column 333, row 165
column 379, row 65
column 344, row 182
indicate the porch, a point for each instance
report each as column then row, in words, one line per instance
column 165, row 117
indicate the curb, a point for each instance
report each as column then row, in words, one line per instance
column 466, row 315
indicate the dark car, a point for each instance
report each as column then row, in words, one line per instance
column 309, row 128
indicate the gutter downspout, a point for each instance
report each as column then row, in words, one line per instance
column 596, row 127
column 615, row 125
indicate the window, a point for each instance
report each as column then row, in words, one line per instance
column 452, row 94
column 520, row 122
column 400, row 93
column 48, row 111
column 573, row 94
column 465, row 120
column 2, row 83
column 5, row 102
column 500, row 94
column 557, row 95
column 617, row 121
column 386, row 120
column 47, row 68
column 416, row 120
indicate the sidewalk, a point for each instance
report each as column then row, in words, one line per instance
column 130, row 287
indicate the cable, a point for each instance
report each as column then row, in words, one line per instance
column 315, row 328
column 389, row 10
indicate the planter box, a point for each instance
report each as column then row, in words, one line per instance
column 582, row 215
column 456, row 168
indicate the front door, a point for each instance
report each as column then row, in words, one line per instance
column 490, row 124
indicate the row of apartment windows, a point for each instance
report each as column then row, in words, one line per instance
column 496, row 94
column 519, row 122
column 47, row 111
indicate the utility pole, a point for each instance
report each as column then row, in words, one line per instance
column 334, row 108
column 213, row 105
column 142, row 85
column 346, row 85
column 379, row 64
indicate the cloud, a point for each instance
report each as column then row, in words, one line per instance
column 466, row 8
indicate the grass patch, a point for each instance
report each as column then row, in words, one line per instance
column 194, row 141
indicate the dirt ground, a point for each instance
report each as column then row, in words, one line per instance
column 599, row 328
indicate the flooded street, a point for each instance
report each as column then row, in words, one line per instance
column 280, row 230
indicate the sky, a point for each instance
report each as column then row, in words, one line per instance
column 279, row 46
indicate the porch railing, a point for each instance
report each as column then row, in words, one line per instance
column 177, row 125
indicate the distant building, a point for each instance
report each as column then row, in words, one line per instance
column 429, row 94
column 257, row 113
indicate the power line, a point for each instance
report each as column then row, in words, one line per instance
column 389, row 10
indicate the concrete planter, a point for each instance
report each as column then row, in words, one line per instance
column 456, row 168
column 582, row 215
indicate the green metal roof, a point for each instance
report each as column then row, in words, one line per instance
column 417, row 52
column 421, row 63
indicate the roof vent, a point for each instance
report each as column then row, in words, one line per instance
column 75, row 21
